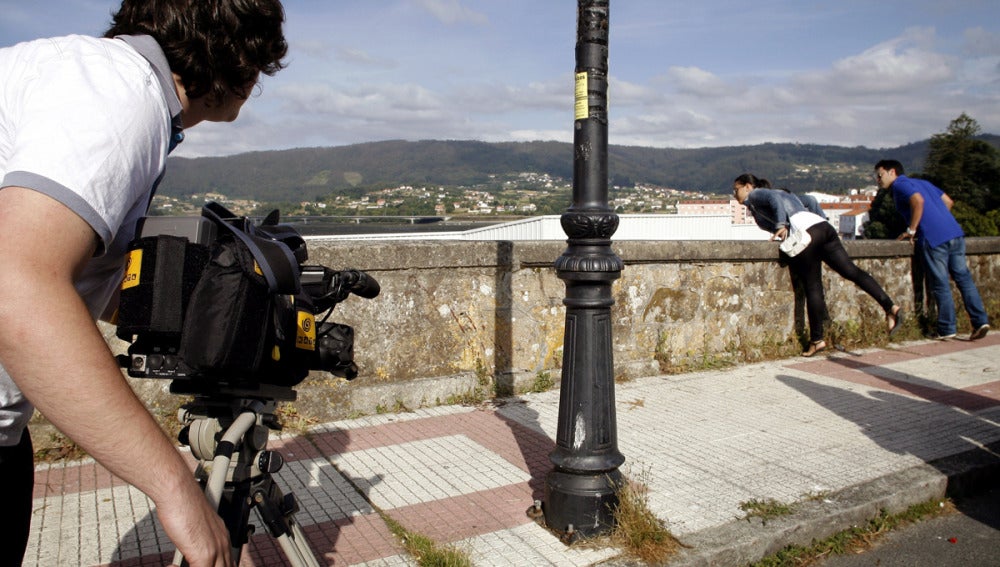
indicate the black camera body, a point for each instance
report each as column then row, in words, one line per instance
column 217, row 301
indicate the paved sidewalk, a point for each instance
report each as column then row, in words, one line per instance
column 842, row 436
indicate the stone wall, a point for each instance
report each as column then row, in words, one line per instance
column 455, row 316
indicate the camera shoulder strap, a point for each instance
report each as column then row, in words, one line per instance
column 274, row 258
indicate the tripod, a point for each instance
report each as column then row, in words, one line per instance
column 227, row 430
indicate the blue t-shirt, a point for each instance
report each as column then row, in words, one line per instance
column 937, row 225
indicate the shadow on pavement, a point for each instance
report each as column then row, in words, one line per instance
column 920, row 427
column 262, row 549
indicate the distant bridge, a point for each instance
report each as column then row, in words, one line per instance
column 358, row 219
column 549, row 227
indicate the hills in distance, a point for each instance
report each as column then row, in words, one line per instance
column 312, row 173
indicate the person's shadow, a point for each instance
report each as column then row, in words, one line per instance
column 936, row 416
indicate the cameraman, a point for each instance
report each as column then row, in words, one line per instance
column 85, row 128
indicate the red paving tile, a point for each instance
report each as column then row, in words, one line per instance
column 860, row 370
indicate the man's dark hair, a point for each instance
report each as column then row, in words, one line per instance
column 217, row 47
column 891, row 164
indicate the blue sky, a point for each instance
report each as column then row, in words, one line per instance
column 683, row 74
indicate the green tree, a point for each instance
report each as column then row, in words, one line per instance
column 883, row 220
column 963, row 166
column 974, row 222
column 968, row 170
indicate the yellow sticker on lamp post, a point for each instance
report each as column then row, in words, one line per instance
column 582, row 107
column 133, row 265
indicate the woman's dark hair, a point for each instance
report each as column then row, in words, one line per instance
column 755, row 182
column 217, row 47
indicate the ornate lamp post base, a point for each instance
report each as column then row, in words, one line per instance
column 589, row 500
column 581, row 492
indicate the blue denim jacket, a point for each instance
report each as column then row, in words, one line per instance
column 771, row 208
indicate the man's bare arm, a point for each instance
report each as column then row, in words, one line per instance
column 947, row 200
column 56, row 355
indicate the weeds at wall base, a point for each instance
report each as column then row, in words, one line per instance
column 765, row 509
column 855, row 539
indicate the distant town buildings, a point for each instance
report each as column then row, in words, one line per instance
column 530, row 194
column 847, row 213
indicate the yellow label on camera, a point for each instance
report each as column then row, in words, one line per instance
column 305, row 334
column 133, row 264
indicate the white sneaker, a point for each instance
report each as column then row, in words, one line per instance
column 979, row 333
column 943, row 337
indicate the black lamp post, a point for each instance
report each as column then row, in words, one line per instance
column 581, row 491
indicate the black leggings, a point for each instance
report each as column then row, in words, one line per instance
column 807, row 266
column 17, row 477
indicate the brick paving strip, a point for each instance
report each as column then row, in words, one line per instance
column 424, row 471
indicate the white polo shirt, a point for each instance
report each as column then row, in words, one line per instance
column 87, row 121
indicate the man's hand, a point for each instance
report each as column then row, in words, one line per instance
column 195, row 528
column 780, row 234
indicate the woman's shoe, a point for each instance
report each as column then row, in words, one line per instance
column 896, row 318
column 815, row 347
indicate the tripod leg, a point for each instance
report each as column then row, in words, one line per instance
column 215, row 486
column 299, row 539
column 277, row 511
column 298, row 553
column 234, row 509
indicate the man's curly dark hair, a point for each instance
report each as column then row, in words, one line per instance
column 217, row 47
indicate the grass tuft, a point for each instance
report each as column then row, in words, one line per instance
column 638, row 532
column 424, row 550
column 765, row 509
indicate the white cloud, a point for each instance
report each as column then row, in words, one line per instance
column 363, row 58
column 497, row 98
column 313, row 48
column 452, row 12
column 622, row 93
column 875, row 91
column 898, row 66
column 373, row 102
column 695, row 81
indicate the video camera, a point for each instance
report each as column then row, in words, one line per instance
column 219, row 302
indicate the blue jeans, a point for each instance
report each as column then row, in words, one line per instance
column 946, row 260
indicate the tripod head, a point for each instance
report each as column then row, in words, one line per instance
column 233, row 422
column 227, row 431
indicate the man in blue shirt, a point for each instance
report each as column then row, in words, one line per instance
column 939, row 238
